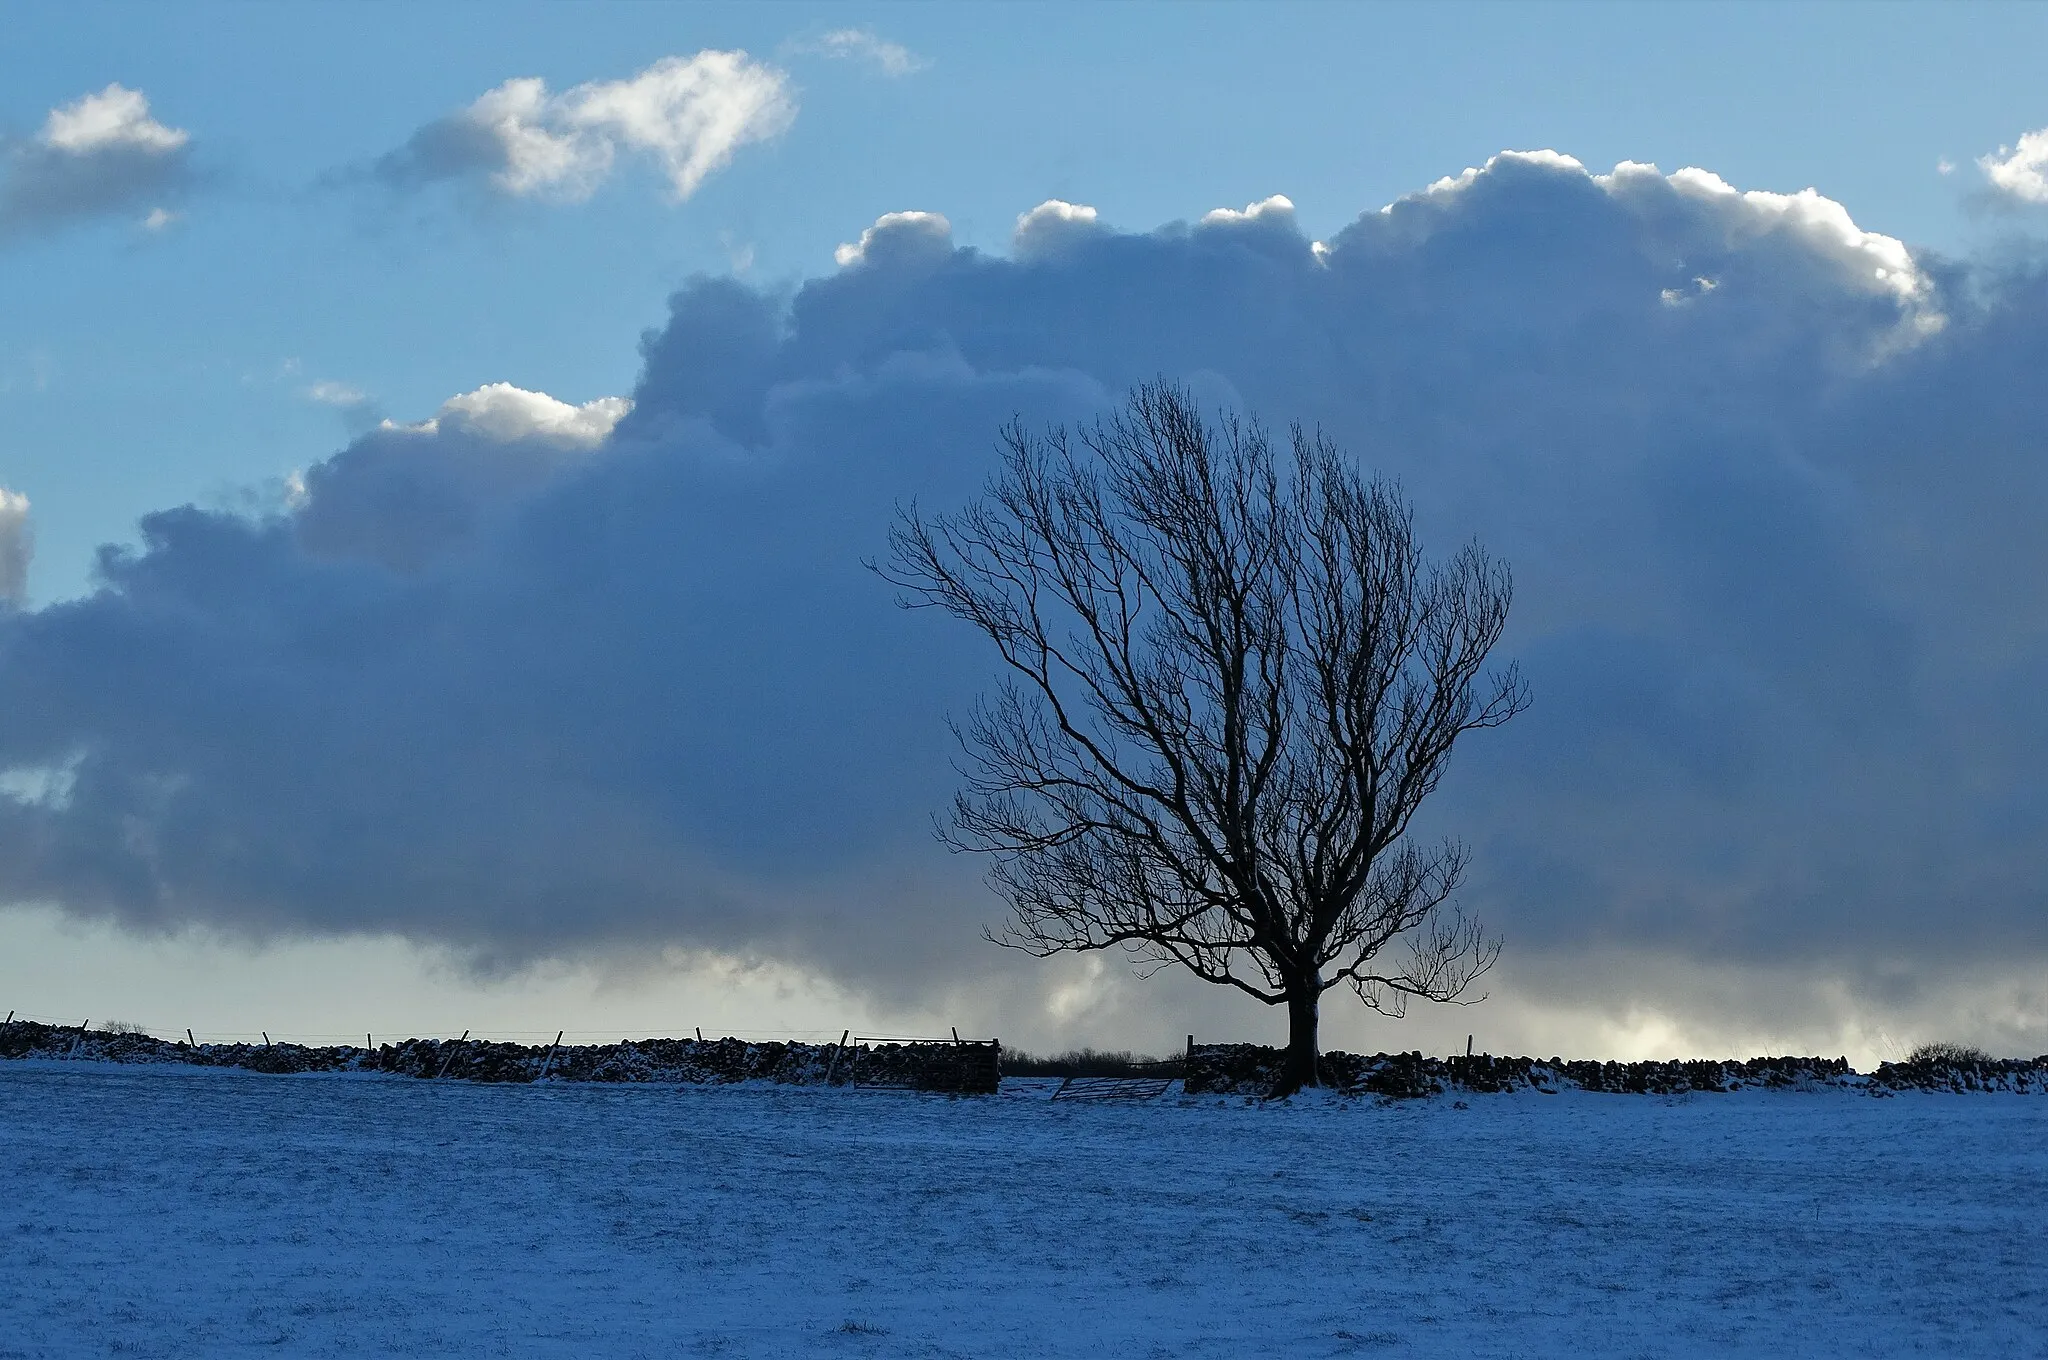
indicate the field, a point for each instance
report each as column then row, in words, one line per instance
column 184, row 1212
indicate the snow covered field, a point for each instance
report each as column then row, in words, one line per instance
column 182, row 1212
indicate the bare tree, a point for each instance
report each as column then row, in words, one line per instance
column 1233, row 678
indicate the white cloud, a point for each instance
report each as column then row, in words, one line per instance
column 739, row 255
column 116, row 117
column 1678, row 297
column 892, row 59
column 690, row 114
column 1451, row 185
column 909, row 232
column 1869, row 262
column 336, row 394
column 1276, row 209
column 1056, row 210
column 1051, row 224
column 2021, row 170
column 47, row 786
column 502, row 412
column 100, row 154
column 17, row 544
column 1883, row 262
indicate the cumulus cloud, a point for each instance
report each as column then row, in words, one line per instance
column 2020, row 172
column 534, row 678
column 689, row 114
column 116, row 118
column 1052, row 226
column 1719, row 219
column 410, row 495
column 861, row 44
column 502, row 412
column 17, row 545
column 897, row 237
column 1277, row 210
column 102, row 154
column 1879, row 262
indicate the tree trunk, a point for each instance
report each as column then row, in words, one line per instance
column 1298, row 1067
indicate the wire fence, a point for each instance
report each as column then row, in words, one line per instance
column 391, row 1033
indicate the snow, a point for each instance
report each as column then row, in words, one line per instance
column 201, row 1212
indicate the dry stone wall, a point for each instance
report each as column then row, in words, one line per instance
column 1253, row 1070
column 968, row 1068
column 976, row 1068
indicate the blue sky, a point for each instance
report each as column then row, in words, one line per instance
column 1736, row 464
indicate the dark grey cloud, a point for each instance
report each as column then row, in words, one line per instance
column 101, row 155
column 530, row 682
column 17, row 546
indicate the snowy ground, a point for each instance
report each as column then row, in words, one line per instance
column 182, row 1212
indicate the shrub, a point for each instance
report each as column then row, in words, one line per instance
column 1948, row 1055
column 1088, row 1062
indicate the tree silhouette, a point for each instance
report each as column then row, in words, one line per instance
column 1232, row 680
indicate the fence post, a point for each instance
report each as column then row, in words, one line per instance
column 452, row 1050
column 956, row 1034
column 266, row 1037
column 700, row 1034
column 1468, row 1045
column 551, row 1055
column 10, row 1017
column 832, row 1064
column 191, row 1042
